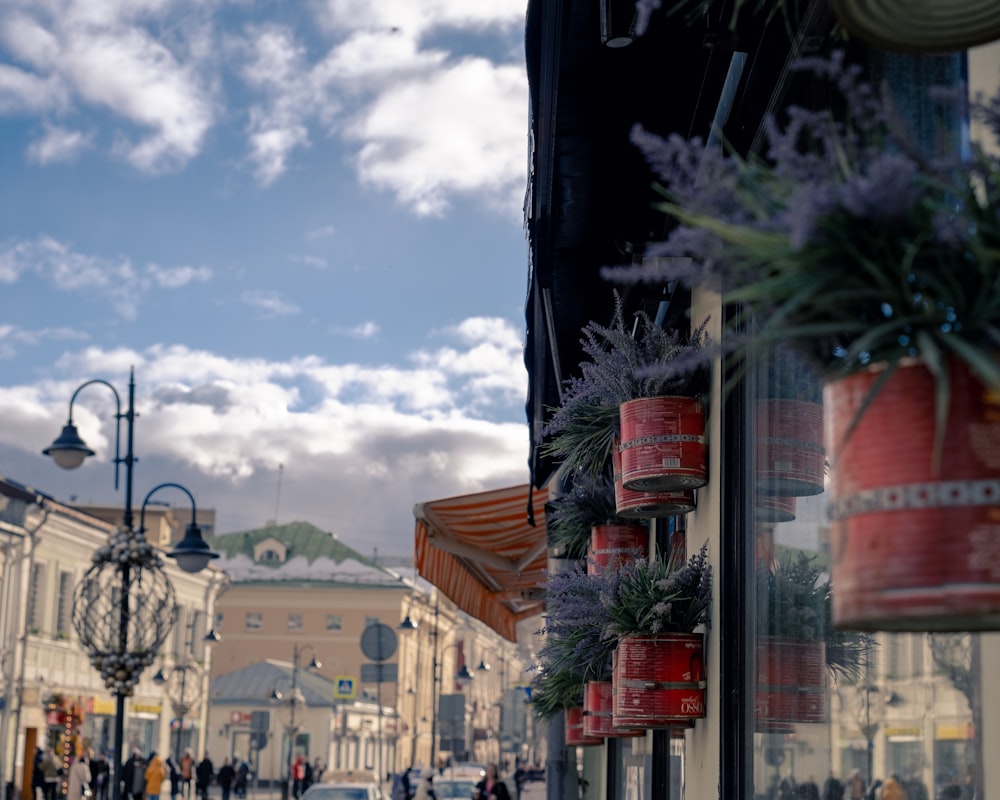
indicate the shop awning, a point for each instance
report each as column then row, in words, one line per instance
column 485, row 553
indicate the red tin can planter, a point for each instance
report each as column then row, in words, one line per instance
column 791, row 681
column 773, row 508
column 789, row 455
column 659, row 681
column 574, row 729
column 598, row 698
column 663, row 444
column 614, row 545
column 915, row 547
column 647, row 505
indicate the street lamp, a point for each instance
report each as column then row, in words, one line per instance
column 183, row 695
column 408, row 626
column 869, row 717
column 125, row 605
column 295, row 697
column 463, row 677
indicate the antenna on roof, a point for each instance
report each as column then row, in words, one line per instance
column 277, row 498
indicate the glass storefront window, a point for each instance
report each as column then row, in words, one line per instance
column 836, row 708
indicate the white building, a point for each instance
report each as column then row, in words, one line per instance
column 51, row 694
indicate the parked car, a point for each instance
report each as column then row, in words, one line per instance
column 454, row 788
column 345, row 785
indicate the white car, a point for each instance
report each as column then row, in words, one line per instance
column 345, row 785
column 446, row 788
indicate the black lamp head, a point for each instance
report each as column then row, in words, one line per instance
column 192, row 553
column 69, row 450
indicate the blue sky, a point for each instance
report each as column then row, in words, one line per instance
column 300, row 222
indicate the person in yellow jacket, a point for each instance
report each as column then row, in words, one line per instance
column 155, row 773
column 893, row 789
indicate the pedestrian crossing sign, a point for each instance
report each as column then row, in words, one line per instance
column 345, row 687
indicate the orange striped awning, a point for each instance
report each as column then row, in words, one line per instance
column 483, row 553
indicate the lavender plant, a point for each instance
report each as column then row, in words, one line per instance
column 577, row 647
column 588, row 501
column 650, row 597
column 845, row 240
column 794, row 601
column 623, row 366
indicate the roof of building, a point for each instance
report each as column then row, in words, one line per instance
column 256, row 683
column 311, row 555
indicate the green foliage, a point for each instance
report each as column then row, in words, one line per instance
column 554, row 690
column 845, row 239
column 652, row 363
column 785, row 375
column 794, row 601
column 588, row 501
column 657, row 596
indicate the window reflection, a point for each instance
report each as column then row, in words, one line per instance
column 838, row 710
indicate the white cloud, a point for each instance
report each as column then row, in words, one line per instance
column 368, row 444
column 316, row 262
column 22, row 92
column 461, row 131
column 428, row 124
column 276, row 66
column 58, row 144
column 417, row 18
column 366, row 330
column 13, row 339
column 137, row 77
column 273, row 304
column 69, row 271
column 323, row 232
column 139, row 60
column 177, row 277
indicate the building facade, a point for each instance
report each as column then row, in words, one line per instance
column 52, row 696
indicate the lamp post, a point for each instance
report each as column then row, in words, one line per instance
column 463, row 678
column 869, row 723
column 295, row 697
column 408, row 626
column 183, row 695
column 124, row 607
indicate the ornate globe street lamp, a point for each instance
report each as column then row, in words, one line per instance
column 125, row 605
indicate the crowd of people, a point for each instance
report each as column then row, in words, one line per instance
column 855, row 787
column 305, row 774
column 415, row 784
column 88, row 777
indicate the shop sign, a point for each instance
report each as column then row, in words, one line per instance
column 104, row 705
column 958, row 731
column 146, row 708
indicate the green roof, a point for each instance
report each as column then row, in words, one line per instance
column 301, row 539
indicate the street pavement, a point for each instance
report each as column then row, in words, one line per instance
column 532, row 790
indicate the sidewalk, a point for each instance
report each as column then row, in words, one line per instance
column 533, row 790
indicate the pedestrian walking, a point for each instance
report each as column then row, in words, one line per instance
column 226, row 777
column 187, row 772
column 78, row 779
column 203, row 774
column 100, row 772
column 242, row 778
column 174, row 773
column 134, row 776
column 154, row 775
column 491, row 787
column 51, row 773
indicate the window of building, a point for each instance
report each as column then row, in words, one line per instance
column 334, row 622
column 254, row 621
column 295, row 622
column 64, row 605
column 36, row 599
column 270, row 555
